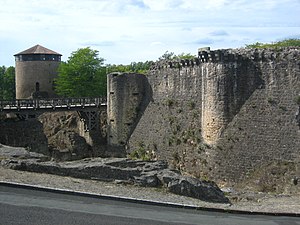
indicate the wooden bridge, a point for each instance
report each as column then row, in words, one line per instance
column 87, row 108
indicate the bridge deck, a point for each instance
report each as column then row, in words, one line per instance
column 60, row 104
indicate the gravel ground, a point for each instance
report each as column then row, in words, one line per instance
column 243, row 201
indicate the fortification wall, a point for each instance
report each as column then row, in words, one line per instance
column 128, row 96
column 265, row 130
column 223, row 114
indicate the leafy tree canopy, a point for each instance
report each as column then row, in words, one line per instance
column 278, row 44
column 171, row 55
column 134, row 67
column 143, row 67
column 7, row 83
column 83, row 75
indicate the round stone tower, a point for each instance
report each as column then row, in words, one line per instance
column 36, row 69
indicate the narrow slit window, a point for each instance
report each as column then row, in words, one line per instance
column 37, row 86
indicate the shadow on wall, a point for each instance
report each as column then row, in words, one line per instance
column 298, row 116
column 265, row 127
column 146, row 98
column 242, row 81
column 227, row 85
column 128, row 96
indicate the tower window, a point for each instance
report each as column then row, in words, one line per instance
column 37, row 86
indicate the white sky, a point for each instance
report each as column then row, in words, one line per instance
column 125, row 31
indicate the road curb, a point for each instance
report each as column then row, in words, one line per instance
column 140, row 201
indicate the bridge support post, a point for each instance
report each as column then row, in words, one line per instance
column 90, row 119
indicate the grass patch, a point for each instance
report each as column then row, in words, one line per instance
column 279, row 44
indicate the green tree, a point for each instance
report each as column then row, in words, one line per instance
column 186, row 56
column 171, row 55
column 167, row 56
column 110, row 68
column 82, row 75
column 7, row 83
column 2, row 72
column 133, row 67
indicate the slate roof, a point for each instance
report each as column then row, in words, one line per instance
column 37, row 49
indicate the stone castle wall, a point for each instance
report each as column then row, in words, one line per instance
column 128, row 97
column 223, row 114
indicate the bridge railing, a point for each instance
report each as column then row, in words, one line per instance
column 64, row 103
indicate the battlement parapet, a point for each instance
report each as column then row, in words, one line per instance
column 232, row 55
column 256, row 55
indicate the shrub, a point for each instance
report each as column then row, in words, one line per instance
column 141, row 153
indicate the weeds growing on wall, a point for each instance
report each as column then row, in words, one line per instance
column 297, row 100
column 170, row 102
column 141, row 153
column 191, row 105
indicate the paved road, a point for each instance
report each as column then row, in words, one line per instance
column 23, row 206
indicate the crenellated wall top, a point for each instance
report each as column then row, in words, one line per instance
column 232, row 55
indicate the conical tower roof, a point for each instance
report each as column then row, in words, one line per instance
column 37, row 49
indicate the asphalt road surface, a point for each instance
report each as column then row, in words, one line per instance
column 33, row 207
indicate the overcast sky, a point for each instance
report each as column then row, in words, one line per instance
column 125, row 31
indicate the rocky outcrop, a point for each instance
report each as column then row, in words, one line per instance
column 68, row 145
column 120, row 170
column 8, row 152
column 28, row 134
column 57, row 134
column 62, row 132
column 191, row 187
